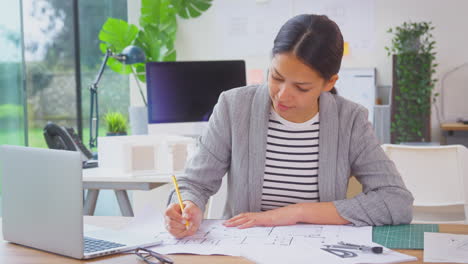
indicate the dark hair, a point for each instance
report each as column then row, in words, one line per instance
column 315, row 40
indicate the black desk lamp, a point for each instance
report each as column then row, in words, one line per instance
column 129, row 55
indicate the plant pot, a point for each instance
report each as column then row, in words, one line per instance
column 138, row 120
column 110, row 134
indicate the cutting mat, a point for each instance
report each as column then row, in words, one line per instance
column 402, row 236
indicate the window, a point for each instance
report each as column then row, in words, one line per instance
column 50, row 66
column 113, row 88
column 11, row 76
column 12, row 125
column 51, row 62
column 47, row 78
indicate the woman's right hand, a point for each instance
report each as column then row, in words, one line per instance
column 175, row 220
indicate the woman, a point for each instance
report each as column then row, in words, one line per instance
column 284, row 165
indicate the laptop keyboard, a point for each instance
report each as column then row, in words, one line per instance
column 93, row 245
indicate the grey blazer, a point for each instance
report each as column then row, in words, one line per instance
column 235, row 142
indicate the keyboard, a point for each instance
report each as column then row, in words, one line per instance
column 92, row 245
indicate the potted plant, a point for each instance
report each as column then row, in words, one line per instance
column 413, row 59
column 116, row 124
column 156, row 35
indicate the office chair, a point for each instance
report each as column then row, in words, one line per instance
column 437, row 176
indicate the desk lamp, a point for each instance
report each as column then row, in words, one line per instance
column 129, row 55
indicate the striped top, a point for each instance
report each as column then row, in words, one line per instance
column 291, row 166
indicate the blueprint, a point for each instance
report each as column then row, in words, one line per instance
column 281, row 244
column 213, row 234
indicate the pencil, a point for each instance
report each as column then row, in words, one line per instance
column 176, row 186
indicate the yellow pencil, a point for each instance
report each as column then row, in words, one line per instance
column 176, row 186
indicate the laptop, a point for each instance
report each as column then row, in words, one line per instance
column 43, row 205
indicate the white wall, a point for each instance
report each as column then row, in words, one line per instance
column 194, row 40
column 450, row 20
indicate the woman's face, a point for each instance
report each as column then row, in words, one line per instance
column 295, row 88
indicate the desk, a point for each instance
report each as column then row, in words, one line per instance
column 15, row 254
column 455, row 133
column 96, row 179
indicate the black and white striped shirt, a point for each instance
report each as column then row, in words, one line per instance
column 291, row 166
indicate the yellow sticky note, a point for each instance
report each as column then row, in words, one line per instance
column 346, row 49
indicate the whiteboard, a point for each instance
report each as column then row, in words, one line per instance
column 248, row 27
column 359, row 86
column 354, row 18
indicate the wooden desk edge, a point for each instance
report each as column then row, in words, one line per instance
column 16, row 254
column 454, row 127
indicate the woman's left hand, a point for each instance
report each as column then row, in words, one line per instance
column 288, row 215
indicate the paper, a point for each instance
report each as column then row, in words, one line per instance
column 140, row 230
column 440, row 247
column 213, row 234
column 148, row 220
column 282, row 244
column 314, row 255
column 257, row 242
column 294, row 244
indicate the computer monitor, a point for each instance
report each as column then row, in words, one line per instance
column 182, row 94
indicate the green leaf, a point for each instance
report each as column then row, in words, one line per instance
column 159, row 27
column 191, row 8
column 117, row 34
column 119, row 67
column 140, row 70
column 157, row 34
column 160, row 14
column 150, row 44
column 193, row 12
column 116, row 122
column 156, row 44
column 183, row 13
column 170, row 55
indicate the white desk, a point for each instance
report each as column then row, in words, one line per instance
column 96, row 179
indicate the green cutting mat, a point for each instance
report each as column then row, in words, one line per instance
column 402, row 236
